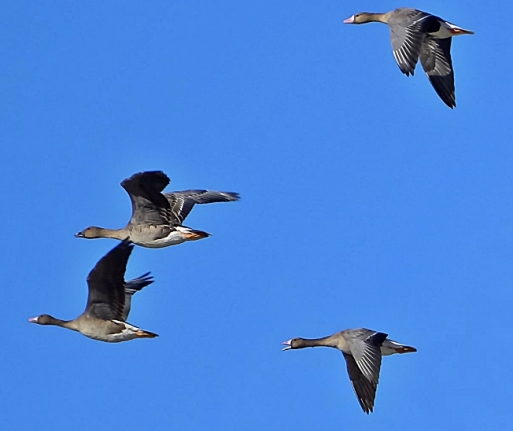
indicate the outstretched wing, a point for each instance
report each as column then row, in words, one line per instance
column 365, row 390
column 363, row 366
column 133, row 286
column 436, row 61
column 149, row 206
column 408, row 30
column 182, row 202
column 106, row 299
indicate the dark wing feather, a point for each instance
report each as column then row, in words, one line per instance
column 149, row 206
column 133, row 286
column 365, row 390
column 364, row 363
column 408, row 29
column 182, row 202
column 436, row 61
column 367, row 354
column 106, row 299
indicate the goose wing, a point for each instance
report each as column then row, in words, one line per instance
column 149, row 206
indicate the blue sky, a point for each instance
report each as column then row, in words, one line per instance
column 366, row 202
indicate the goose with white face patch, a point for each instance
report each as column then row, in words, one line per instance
column 416, row 34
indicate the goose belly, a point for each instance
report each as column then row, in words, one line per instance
column 174, row 238
column 124, row 335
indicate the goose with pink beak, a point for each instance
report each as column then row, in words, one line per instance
column 362, row 349
column 416, row 34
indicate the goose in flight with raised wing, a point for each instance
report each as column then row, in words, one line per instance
column 108, row 302
column 157, row 217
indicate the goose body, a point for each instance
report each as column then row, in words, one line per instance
column 151, row 236
column 113, row 331
column 157, row 218
column 420, row 35
column 108, row 302
column 362, row 349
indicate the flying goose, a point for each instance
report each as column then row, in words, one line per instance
column 416, row 34
column 108, row 302
column 362, row 350
column 156, row 217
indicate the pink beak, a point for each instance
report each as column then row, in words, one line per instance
column 349, row 20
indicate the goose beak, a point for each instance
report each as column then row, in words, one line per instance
column 33, row 320
column 79, row 235
column 349, row 20
column 288, row 344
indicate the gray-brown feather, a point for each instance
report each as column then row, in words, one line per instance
column 149, row 206
column 182, row 202
column 106, row 299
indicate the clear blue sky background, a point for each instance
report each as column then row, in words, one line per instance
column 366, row 202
